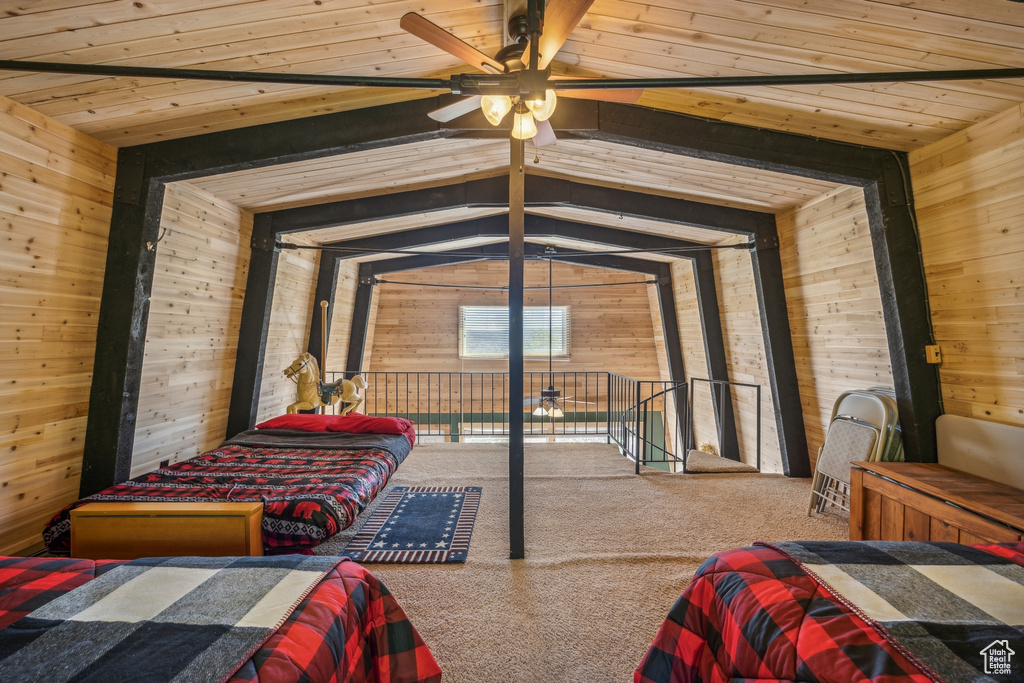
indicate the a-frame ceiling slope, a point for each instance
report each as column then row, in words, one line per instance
column 616, row 38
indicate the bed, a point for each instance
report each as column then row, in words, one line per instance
column 847, row 611
column 343, row 625
column 313, row 474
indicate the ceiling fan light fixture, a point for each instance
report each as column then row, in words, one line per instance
column 495, row 107
column 555, row 412
column 543, row 109
column 523, row 125
column 540, row 411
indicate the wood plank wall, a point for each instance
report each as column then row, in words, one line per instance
column 199, row 280
column 835, row 309
column 294, row 291
column 969, row 190
column 745, row 358
column 56, row 188
column 691, row 339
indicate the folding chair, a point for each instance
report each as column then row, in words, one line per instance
column 849, row 439
column 864, row 426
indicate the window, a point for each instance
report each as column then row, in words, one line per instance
column 483, row 332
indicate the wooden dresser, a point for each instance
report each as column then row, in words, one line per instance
column 911, row 501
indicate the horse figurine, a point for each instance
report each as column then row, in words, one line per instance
column 313, row 393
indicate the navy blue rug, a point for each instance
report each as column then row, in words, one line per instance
column 418, row 525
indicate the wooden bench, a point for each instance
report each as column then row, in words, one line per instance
column 125, row 531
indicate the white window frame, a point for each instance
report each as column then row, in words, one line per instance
column 487, row 333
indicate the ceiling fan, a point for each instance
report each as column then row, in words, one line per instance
column 534, row 44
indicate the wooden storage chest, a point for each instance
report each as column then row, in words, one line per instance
column 910, row 501
column 125, row 531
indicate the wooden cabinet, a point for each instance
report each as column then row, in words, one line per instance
column 910, row 501
column 125, row 531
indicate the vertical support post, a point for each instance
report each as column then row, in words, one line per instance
column 121, row 330
column 253, row 328
column 516, row 251
column 360, row 319
column 778, row 351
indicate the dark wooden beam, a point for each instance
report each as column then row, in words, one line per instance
column 673, row 347
column 282, row 142
column 121, row 329
column 901, row 283
column 714, row 352
column 778, row 351
column 326, row 286
column 360, row 319
column 253, row 328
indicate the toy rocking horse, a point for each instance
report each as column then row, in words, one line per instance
column 313, row 393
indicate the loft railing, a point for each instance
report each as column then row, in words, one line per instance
column 646, row 420
column 650, row 421
column 457, row 405
column 723, row 399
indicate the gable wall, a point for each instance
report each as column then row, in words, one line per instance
column 56, row 189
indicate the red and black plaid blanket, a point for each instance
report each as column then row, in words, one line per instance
column 349, row 628
column 756, row 614
column 312, row 485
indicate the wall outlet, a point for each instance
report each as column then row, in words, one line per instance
column 933, row 354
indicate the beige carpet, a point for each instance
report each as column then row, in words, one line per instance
column 608, row 552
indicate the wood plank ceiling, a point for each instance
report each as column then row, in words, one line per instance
column 616, row 38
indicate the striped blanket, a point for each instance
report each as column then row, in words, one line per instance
column 951, row 608
column 187, row 619
column 836, row 612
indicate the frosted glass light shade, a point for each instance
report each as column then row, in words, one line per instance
column 555, row 411
column 543, row 109
column 495, row 107
column 523, row 125
column 540, row 411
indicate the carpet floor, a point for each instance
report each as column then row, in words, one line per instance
column 607, row 554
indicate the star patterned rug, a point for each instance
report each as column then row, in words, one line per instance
column 418, row 525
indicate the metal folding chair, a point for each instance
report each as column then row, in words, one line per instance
column 848, row 440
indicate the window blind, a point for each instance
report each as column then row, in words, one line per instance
column 483, row 331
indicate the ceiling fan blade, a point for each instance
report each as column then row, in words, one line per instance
column 560, row 18
column 438, row 37
column 456, row 109
column 545, row 134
